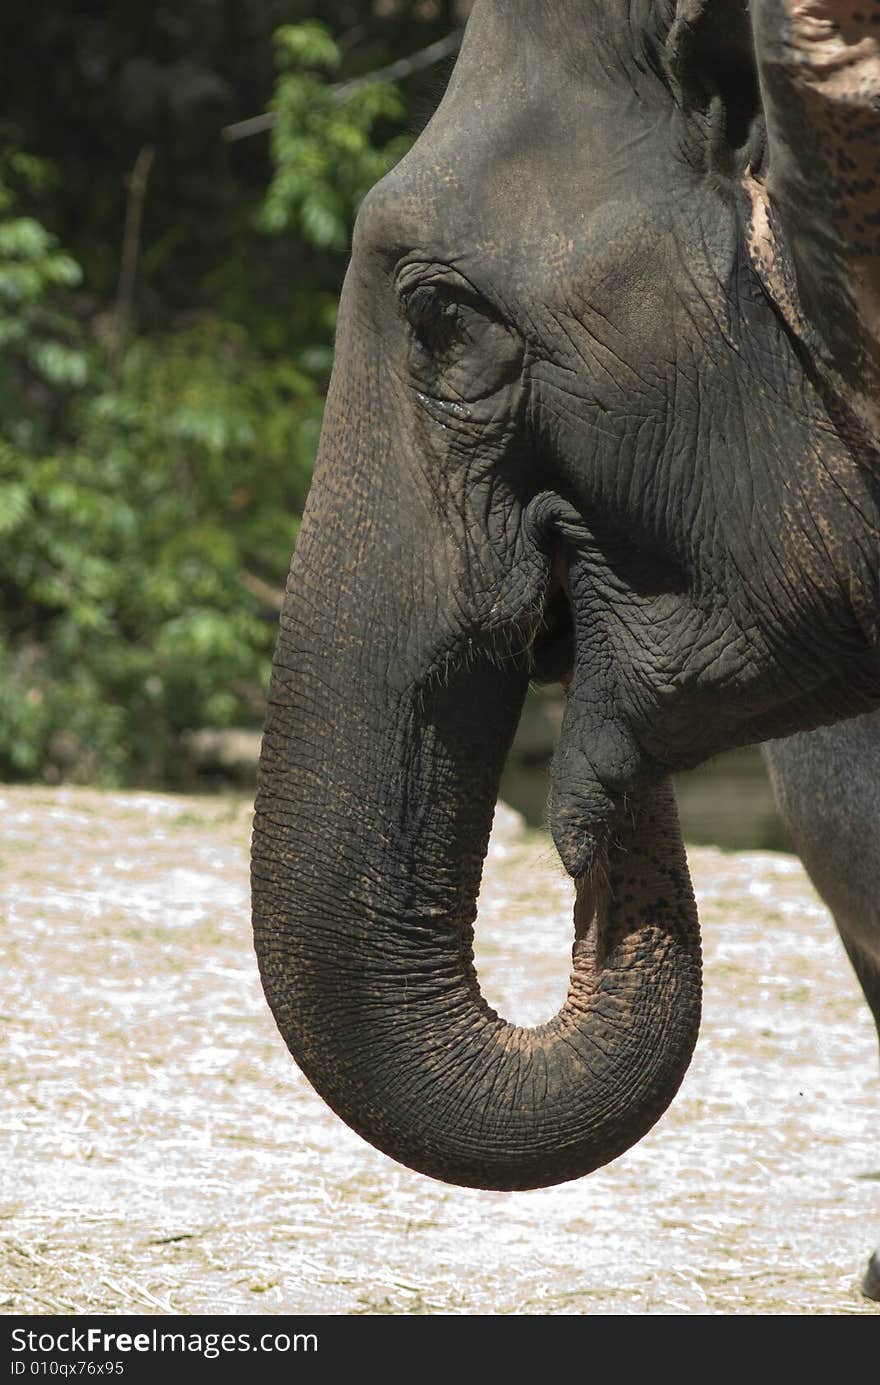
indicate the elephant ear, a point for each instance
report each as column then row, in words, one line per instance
column 711, row 68
column 814, row 233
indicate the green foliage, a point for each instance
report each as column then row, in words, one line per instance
column 41, row 351
column 154, row 460
column 322, row 141
column 130, row 560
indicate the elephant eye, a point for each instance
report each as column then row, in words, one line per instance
column 435, row 317
column 460, row 349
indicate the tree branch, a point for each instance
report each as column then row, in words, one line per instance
column 268, row 596
column 394, row 72
column 131, row 244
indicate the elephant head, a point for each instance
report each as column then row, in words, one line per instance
column 602, row 411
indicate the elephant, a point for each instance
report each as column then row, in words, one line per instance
column 827, row 788
column 603, row 412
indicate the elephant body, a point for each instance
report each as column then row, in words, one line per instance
column 603, row 411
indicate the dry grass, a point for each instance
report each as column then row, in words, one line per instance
column 163, row 1155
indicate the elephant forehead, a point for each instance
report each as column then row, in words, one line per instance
column 540, row 244
column 593, row 39
column 512, row 181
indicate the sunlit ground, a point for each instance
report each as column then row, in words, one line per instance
column 161, row 1153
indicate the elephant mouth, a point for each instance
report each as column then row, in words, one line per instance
column 553, row 650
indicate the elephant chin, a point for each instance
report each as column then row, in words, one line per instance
column 364, row 903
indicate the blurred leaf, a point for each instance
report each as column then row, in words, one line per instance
column 14, row 505
column 323, row 148
column 306, row 45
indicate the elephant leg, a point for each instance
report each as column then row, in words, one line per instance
column 871, row 1280
column 867, row 969
column 827, row 787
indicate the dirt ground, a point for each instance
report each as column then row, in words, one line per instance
column 161, row 1152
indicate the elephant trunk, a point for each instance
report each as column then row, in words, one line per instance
column 370, row 835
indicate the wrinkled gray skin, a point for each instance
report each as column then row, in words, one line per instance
column 602, row 411
column 827, row 786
